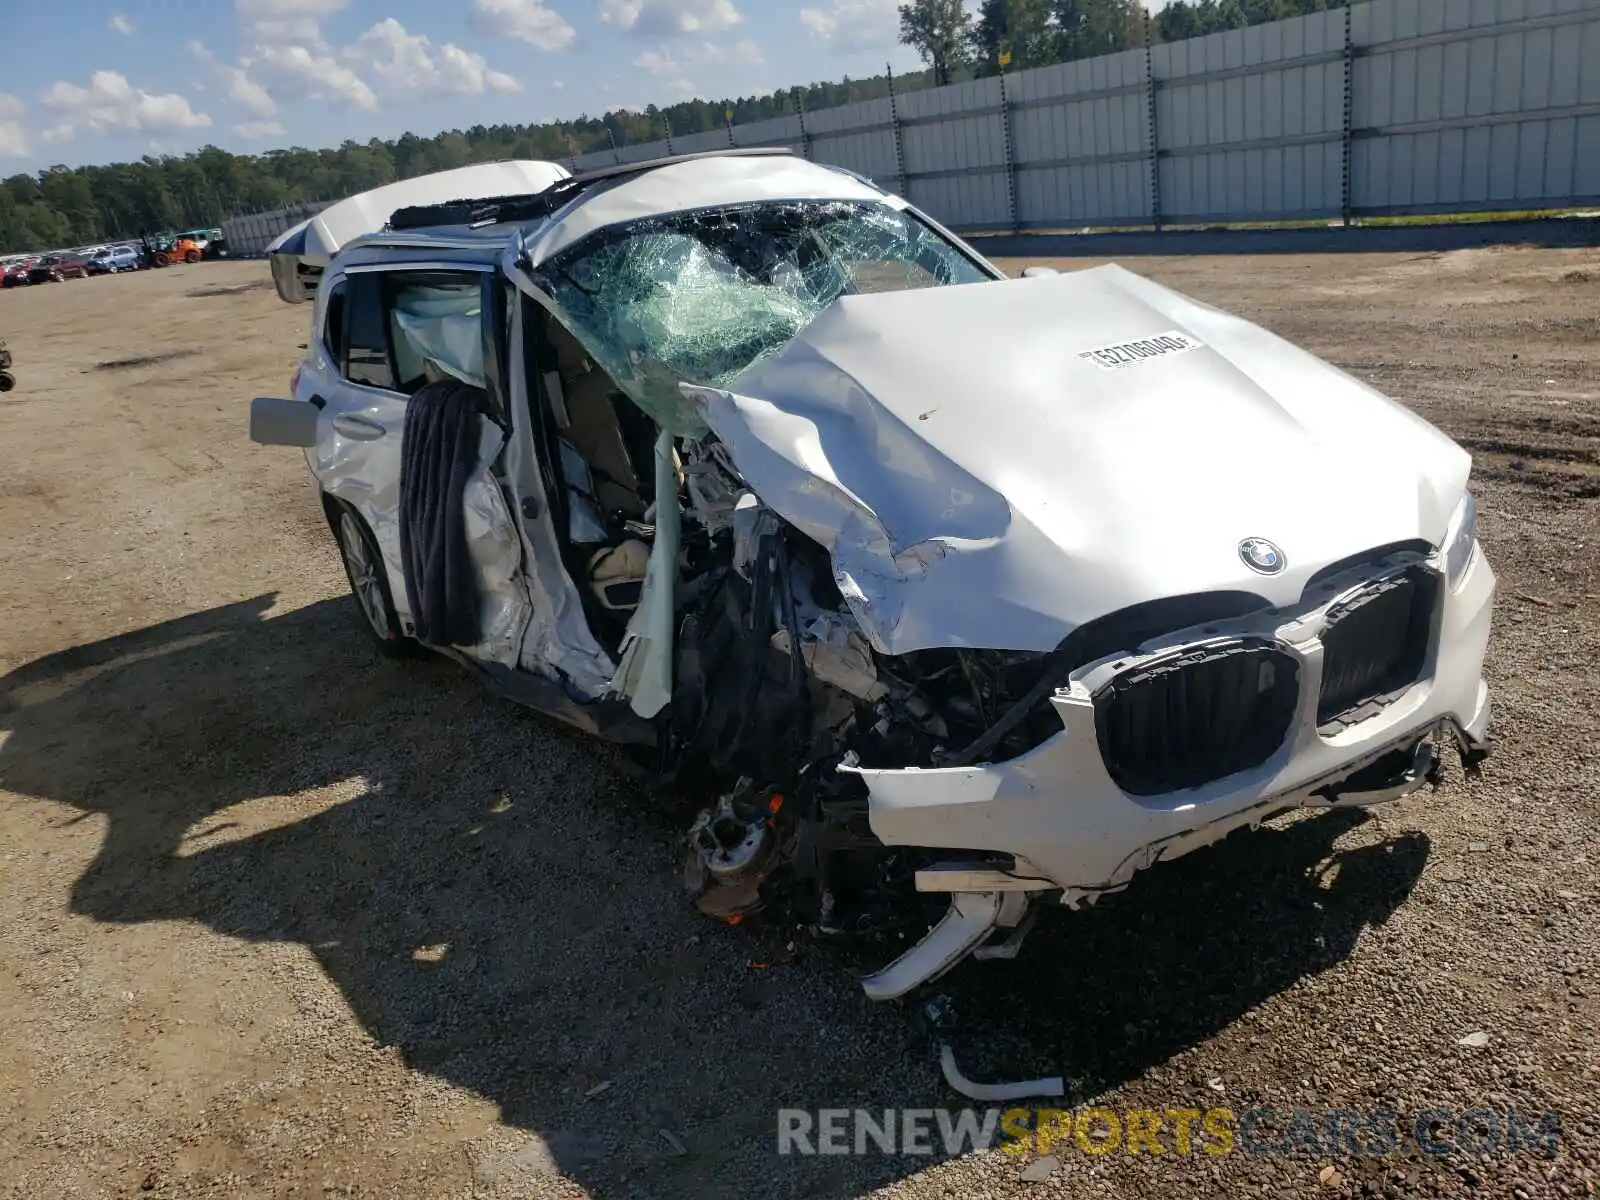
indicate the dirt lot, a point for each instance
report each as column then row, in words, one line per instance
column 278, row 917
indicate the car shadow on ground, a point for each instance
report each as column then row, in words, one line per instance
column 497, row 900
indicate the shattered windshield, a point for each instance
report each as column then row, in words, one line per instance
column 700, row 296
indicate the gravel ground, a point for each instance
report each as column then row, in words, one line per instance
column 278, row 917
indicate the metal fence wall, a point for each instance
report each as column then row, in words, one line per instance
column 250, row 233
column 1383, row 107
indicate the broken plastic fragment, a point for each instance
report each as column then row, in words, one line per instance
column 996, row 1092
column 836, row 654
column 1040, row 1169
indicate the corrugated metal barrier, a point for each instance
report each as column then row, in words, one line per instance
column 1382, row 108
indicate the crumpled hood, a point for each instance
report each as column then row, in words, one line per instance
column 993, row 464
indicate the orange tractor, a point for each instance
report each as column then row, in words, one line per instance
column 163, row 249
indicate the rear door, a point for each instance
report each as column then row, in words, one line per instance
column 349, row 374
column 361, row 370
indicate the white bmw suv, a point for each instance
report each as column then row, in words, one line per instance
column 921, row 578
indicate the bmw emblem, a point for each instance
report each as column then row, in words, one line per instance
column 1261, row 555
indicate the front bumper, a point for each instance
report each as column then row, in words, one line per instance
column 1064, row 826
column 1056, row 812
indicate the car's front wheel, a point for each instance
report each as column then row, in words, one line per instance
column 369, row 582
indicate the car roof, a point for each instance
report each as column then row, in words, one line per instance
column 545, row 223
column 356, row 217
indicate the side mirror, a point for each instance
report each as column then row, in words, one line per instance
column 1038, row 272
column 278, row 422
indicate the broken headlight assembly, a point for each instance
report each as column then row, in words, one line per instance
column 1460, row 541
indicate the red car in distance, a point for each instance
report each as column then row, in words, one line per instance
column 16, row 274
column 53, row 268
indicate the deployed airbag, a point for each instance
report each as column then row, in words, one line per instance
column 438, row 453
column 443, row 326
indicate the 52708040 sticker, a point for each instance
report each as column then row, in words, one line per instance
column 1131, row 353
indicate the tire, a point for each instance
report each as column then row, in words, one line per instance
column 162, row 259
column 7, row 381
column 369, row 583
column 192, row 256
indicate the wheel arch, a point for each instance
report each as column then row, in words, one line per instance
column 332, row 506
column 401, row 642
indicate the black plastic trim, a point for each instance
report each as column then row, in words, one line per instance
column 1196, row 715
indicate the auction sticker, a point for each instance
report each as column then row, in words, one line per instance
column 1129, row 354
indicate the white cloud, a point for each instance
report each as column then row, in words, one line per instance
column 705, row 54
column 525, row 20
column 13, row 137
column 287, row 58
column 242, row 90
column 675, row 82
column 673, row 66
column 466, row 72
column 670, row 17
column 286, row 47
column 287, row 22
column 111, row 102
column 317, row 76
column 274, row 10
column 291, row 31
column 250, row 95
column 257, row 130
column 742, row 53
column 408, row 64
column 849, row 26
column 120, row 24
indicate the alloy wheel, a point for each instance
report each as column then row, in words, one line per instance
column 364, row 579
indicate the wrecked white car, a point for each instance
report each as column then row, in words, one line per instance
column 931, row 581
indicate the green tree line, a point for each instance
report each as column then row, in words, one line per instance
column 72, row 206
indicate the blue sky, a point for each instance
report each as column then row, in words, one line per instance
column 105, row 80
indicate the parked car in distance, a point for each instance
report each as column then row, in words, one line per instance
column 108, row 260
column 53, row 268
column 16, row 274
